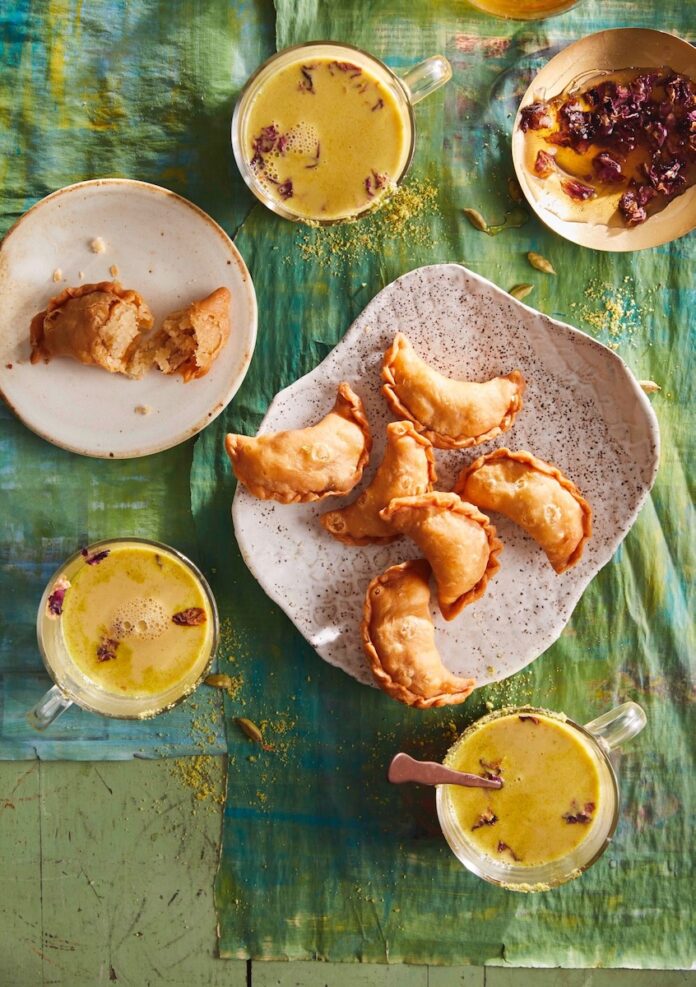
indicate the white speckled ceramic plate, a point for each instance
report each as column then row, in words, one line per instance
column 584, row 411
column 162, row 246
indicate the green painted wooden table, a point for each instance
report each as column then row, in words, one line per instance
column 107, row 877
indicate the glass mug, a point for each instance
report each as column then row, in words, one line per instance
column 72, row 685
column 407, row 89
column 598, row 738
column 523, row 10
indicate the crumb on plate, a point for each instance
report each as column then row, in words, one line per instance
column 113, row 271
column 142, row 409
column 57, row 275
column 97, row 245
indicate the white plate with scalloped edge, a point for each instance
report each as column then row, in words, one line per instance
column 584, row 411
column 162, row 246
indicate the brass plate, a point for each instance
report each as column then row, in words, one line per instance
column 606, row 51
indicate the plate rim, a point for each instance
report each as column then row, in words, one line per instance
column 653, row 426
column 250, row 292
column 544, row 215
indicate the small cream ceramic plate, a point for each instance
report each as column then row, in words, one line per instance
column 583, row 411
column 607, row 51
column 162, row 246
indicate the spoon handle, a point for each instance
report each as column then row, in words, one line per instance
column 404, row 768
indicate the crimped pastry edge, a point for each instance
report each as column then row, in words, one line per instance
column 451, row 501
column 348, row 539
column 384, row 680
column 548, row 469
column 350, row 406
column 439, row 439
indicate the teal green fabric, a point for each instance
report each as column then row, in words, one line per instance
column 141, row 90
column 321, row 857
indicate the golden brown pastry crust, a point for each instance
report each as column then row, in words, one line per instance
column 408, row 467
column 453, row 414
column 99, row 325
column 191, row 338
column 458, row 541
column 399, row 640
column 573, row 511
column 307, row 464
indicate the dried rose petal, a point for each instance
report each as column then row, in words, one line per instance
column 285, row 190
column 54, row 604
column 607, row 168
column 581, row 125
column 189, row 618
column 96, row 558
column 491, row 769
column 678, row 90
column 266, row 141
column 378, row 105
column 666, row 174
column 578, row 815
column 630, row 208
column 307, row 84
column 317, row 155
column 656, row 131
column 536, row 116
column 577, row 190
column 502, row 847
column 352, row 70
column 524, row 718
column 487, row 818
column 545, row 163
column 107, row 648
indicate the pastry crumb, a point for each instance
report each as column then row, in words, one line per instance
column 113, row 271
column 649, row 386
column 97, row 245
column 57, row 275
column 81, row 275
column 142, row 409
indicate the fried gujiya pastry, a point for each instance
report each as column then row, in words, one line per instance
column 408, row 468
column 453, row 414
column 399, row 640
column 306, row 464
column 190, row 339
column 101, row 325
column 535, row 495
column 457, row 540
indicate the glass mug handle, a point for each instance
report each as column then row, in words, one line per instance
column 48, row 708
column 425, row 77
column 618, row 726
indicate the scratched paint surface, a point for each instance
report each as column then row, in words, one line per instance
column 321, row 857
column 140, row 90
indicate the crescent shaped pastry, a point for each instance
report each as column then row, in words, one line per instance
column 100, row 325
column 191, row 338
column 399, row 640
column 305, row 464
column 453, row 414
column 408, row 468
column 535, row 495
column 458, row 541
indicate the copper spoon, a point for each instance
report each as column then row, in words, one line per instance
column 405, row 768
